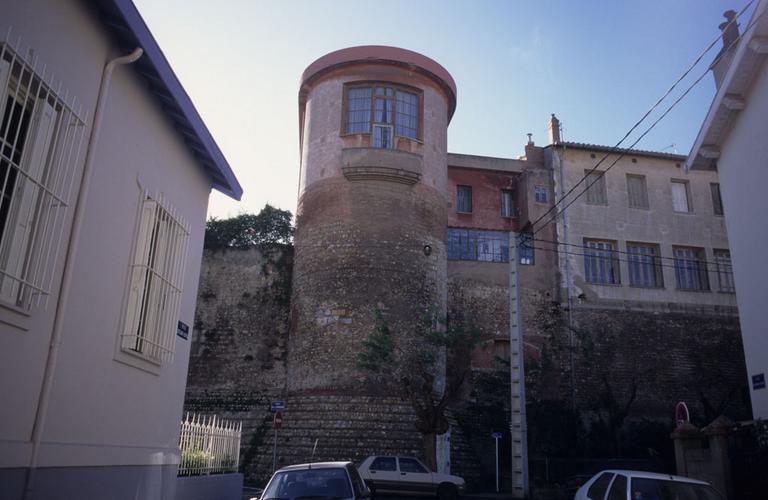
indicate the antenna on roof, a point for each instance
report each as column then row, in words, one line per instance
column 314, row 448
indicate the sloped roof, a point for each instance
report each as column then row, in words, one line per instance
column 124, row 21
column 609, row 149
column 732, row 95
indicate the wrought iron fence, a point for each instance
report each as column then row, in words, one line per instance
column 209, row 445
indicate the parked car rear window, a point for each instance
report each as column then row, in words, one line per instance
column 618, row 488
column 411, row 465
column 384, row 463
column 597, row 490
column 659, row 489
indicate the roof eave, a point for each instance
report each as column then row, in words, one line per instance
column 208, row 154
column 708, row 136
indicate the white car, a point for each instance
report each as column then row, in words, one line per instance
column 407, row 475
column 638, row 485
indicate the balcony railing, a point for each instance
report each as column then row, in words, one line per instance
column 209, row 445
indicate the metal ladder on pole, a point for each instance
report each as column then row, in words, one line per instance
column 517, row 425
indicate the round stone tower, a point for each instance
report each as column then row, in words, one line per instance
column 372, row 208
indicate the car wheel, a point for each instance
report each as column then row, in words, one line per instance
column 447, row 491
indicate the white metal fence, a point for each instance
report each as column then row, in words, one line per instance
column 209, row 445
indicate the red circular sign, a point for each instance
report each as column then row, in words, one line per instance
column 278, row 420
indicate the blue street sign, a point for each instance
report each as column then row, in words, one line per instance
column 278, row 405
column 496, row 435
column 758, row 381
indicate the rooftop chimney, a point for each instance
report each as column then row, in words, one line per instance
column 554, row 129
column 730, row 37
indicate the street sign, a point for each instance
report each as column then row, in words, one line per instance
column 278, row 420
column 496, row 435
column 278, row 405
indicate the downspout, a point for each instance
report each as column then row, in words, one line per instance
column 568, row 288
column 66, row 280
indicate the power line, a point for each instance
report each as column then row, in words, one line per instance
column 615, row 148
column 626, row 252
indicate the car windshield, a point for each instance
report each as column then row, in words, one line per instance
column 321, row 484
column 660, row 489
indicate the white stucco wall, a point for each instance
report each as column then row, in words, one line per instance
column 743, row 169
column 102, row 411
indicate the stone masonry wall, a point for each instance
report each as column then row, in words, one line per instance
column 238, row 354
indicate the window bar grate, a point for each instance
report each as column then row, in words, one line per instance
column 41, row 138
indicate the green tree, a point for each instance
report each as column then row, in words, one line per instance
column 417, row 365
column 271, row 225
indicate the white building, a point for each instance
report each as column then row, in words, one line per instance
column 105, row 173
column 734, row 141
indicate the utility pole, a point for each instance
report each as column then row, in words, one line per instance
column 517, row 424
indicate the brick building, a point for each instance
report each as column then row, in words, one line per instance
column 627, row 300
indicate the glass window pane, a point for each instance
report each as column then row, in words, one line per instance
column 406, row 123
column 618, row 488
column 359, row 110
column 717, row 202
column 600, row 263
column 464, row 199
column 507, row 206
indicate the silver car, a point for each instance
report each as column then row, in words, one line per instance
column 316, row 481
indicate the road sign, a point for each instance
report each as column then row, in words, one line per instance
column 496, row 435
column 278, row 420
column 278, row 405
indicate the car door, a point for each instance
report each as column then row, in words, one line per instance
column 383, row 474
column 415, row 476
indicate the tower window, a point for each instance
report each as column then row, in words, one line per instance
column 385, row 111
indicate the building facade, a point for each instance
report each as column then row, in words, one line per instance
column 106, row 171
column 626, row 299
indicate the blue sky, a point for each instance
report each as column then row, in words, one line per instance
column 598, row 65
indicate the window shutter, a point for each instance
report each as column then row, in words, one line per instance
column 680, row 197
column 136, row 292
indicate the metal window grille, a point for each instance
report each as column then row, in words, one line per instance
column 209, row 445
column 596, row 194
column 717, row 201
column 485, row 246
column 41, row 138
column 637, row 191
column 507, row 203
column 690, row 269
column 464, row 199
column 680, row 196
column 724, row 271
column 644, row 266
column 600, row 262
column 540, row 194
column 156, row 282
